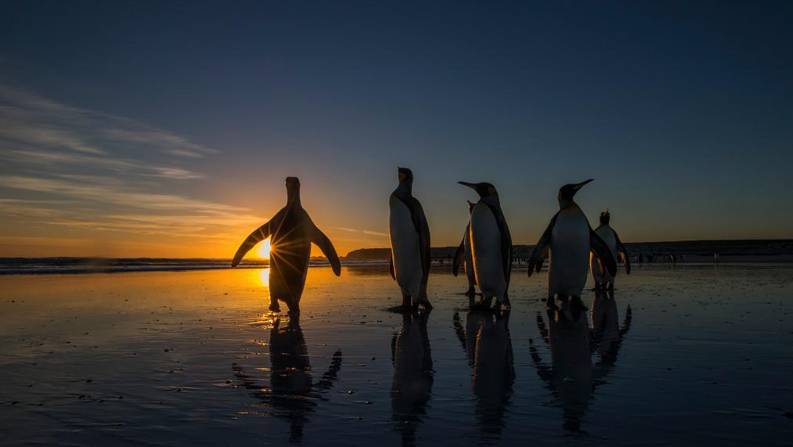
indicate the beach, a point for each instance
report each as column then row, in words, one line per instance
column 701, row 354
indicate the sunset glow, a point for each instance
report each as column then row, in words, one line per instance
column 264, row 277
column 264, row 249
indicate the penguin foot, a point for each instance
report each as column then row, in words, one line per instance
column 425, row 304
column 400, row 309
column 274, row 307
column 506, row 302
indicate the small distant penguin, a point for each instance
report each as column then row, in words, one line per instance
column 291, row 233
column 410, row 243
column 570, row 238
column 463, row 255
column 491, row 245
column 603, row 280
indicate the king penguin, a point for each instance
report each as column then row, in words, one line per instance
column 410, row 243
column 603, row 280
column 491, row 245
column 291, row 233
column 463, row 255
column 570, row 239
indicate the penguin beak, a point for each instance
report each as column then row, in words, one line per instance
column 581, row 185
column 470, row 185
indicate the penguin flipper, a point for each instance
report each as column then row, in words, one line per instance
column 506, row 250
column 255, row 237
column 600, row 248
column 626, row 258
column 459, row 256
column 324, row 244
column 538, row 253
column 424, row 240
column 506, row 241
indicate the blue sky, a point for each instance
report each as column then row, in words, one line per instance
column 152, row 128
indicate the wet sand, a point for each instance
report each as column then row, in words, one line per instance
column 703, row 355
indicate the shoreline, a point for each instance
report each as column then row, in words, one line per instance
column 437, row 267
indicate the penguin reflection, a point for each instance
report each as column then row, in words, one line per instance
column 293, row 393
column 413, row 374
column 606, row 332
column 488, row 346
column 572, row 377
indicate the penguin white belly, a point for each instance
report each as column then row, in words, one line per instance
column 486, row 252
column 405, row 248
column 569, row 253
column 607, row 234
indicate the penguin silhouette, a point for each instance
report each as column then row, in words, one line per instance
column 410, row 243
column 601, row 276
column 569, row 238
column 291, row 232
column 491, row 245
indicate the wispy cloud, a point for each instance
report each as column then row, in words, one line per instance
column 103, row 193
column 89, row 171
column 365, row 232
column 31, row 120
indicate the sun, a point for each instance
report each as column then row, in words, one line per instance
column 264, row 249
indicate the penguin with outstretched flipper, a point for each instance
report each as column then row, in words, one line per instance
column 569, row 238
column 291, row 234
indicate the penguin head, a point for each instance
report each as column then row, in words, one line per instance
column 605, row 217
column 405, row 175
column 567, row 192
column 484, row 189
column 292, row 188
column 405, row 187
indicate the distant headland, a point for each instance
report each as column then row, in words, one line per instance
column 768, row 250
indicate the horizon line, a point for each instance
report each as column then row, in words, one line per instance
column 262, row 261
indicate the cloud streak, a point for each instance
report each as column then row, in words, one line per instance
column 84, row 171
column 31, row 120
column 365, row 232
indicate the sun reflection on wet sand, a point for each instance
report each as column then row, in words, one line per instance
column 264, row 277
